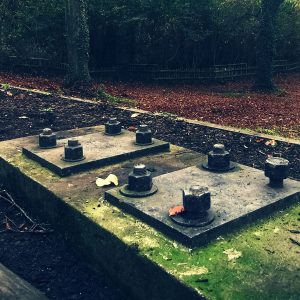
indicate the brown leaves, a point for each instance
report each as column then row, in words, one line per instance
column 232, row 254
column 222, row 104
column 271, row 143
column 132, row 128
column 174, row 211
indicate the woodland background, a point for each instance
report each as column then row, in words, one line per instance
column 169, row 33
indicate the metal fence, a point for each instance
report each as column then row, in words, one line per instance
column 151, row 72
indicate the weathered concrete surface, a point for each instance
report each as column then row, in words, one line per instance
column 13, row 287
column 238, row 197
column 99, row 150
column 143, row 260
column 101, row 232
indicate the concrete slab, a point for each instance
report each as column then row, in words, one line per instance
column 99, row 150
column 141, row 259
column 100, row 232
column 12, row 287
column 238, row 197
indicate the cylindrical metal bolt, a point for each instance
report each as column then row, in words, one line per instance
column 140, row 169
column 196, row 200
column 143, row 128
column 219, row 148
column 143, row 135
column 277, row 169
column 140, row 180
column 218, row 159
column 47, row 131
column 113, row 127
column 112, row 121
column 196, row 210
column 47, row 139
column 73, row 142
column 73, row 150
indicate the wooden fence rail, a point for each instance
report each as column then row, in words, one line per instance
column 152, row 72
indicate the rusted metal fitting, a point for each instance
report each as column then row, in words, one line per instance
column 219, row 160
column 113, row 127
column 196, row 210
column 47, row 139
column 139, row 183
column 143, row 135
column 73, row 151
column 277, row 169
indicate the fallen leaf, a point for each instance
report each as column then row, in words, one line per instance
column 232, row 254
column 131, row 128
column 258, row 233
column 174, row 211
column 135, row 115
column 111, row 179
column 271, row 143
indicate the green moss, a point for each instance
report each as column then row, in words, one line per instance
column 264, row 260
column 103, row 95
column 269, row 131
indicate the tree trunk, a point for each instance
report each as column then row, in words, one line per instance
column 265, row 45
column 77, row 34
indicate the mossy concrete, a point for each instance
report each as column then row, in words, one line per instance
column 141, row 259
column 14, row 287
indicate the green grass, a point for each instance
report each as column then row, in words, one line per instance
column 5, row 86
column 269, row 131
column 103, row 95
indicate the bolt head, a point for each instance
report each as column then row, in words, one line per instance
column 140, row 180
column 113, row 127
column 277, row 168
column 218, row 148
column 47, row 139
column 139, row 169
column 73, row 150
column 218, row 158
column 112, row 121
column 143, row 128
column 143, row 135
column 196, row 199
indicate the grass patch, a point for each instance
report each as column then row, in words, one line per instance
column 269, row 131
column 5, row 86
column 103, row 95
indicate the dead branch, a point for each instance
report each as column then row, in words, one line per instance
column 11, row 226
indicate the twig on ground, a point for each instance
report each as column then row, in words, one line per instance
column 11, row 226
column 294, row 231
column 295, row 242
